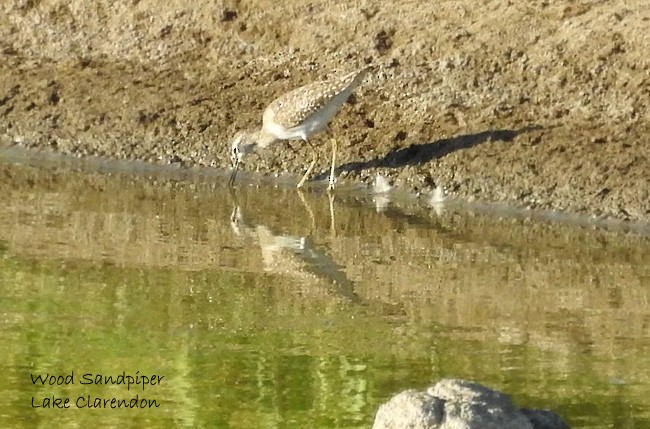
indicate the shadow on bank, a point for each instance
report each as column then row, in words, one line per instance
column 421, row 153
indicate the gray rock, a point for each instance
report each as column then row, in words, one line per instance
column 460, row 404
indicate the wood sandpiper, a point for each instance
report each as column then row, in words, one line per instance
column 296, row 115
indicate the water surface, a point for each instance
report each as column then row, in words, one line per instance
column 274, row 309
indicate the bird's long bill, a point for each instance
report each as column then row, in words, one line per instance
column 233, row 175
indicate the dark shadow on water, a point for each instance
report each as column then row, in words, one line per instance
column 422, row 153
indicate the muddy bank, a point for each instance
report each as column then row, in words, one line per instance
column 541, row 105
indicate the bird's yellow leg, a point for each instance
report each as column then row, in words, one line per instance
column 307, row 207
column 332, row 178
column 331, row 196
column 311, row 166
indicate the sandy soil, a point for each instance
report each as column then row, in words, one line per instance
column 541, row 104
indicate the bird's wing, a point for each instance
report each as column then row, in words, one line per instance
column 292, row 108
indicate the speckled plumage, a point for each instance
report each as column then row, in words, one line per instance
column 294, row 108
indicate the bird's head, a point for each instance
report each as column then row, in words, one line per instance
column 243, row 144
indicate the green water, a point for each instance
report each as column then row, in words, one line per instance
column 292, row 312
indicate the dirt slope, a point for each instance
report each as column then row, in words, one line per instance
column 541, row 104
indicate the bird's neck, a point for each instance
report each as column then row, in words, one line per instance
column 264, row 138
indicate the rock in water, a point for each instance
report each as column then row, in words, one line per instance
column 460, row 404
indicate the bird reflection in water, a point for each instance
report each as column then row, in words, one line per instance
column 295, row 256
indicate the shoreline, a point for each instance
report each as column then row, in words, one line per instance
column 125, row 167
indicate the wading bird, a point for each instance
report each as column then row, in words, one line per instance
column 298, row 115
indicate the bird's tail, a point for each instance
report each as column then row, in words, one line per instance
column 355, row 78
column 361, row 74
